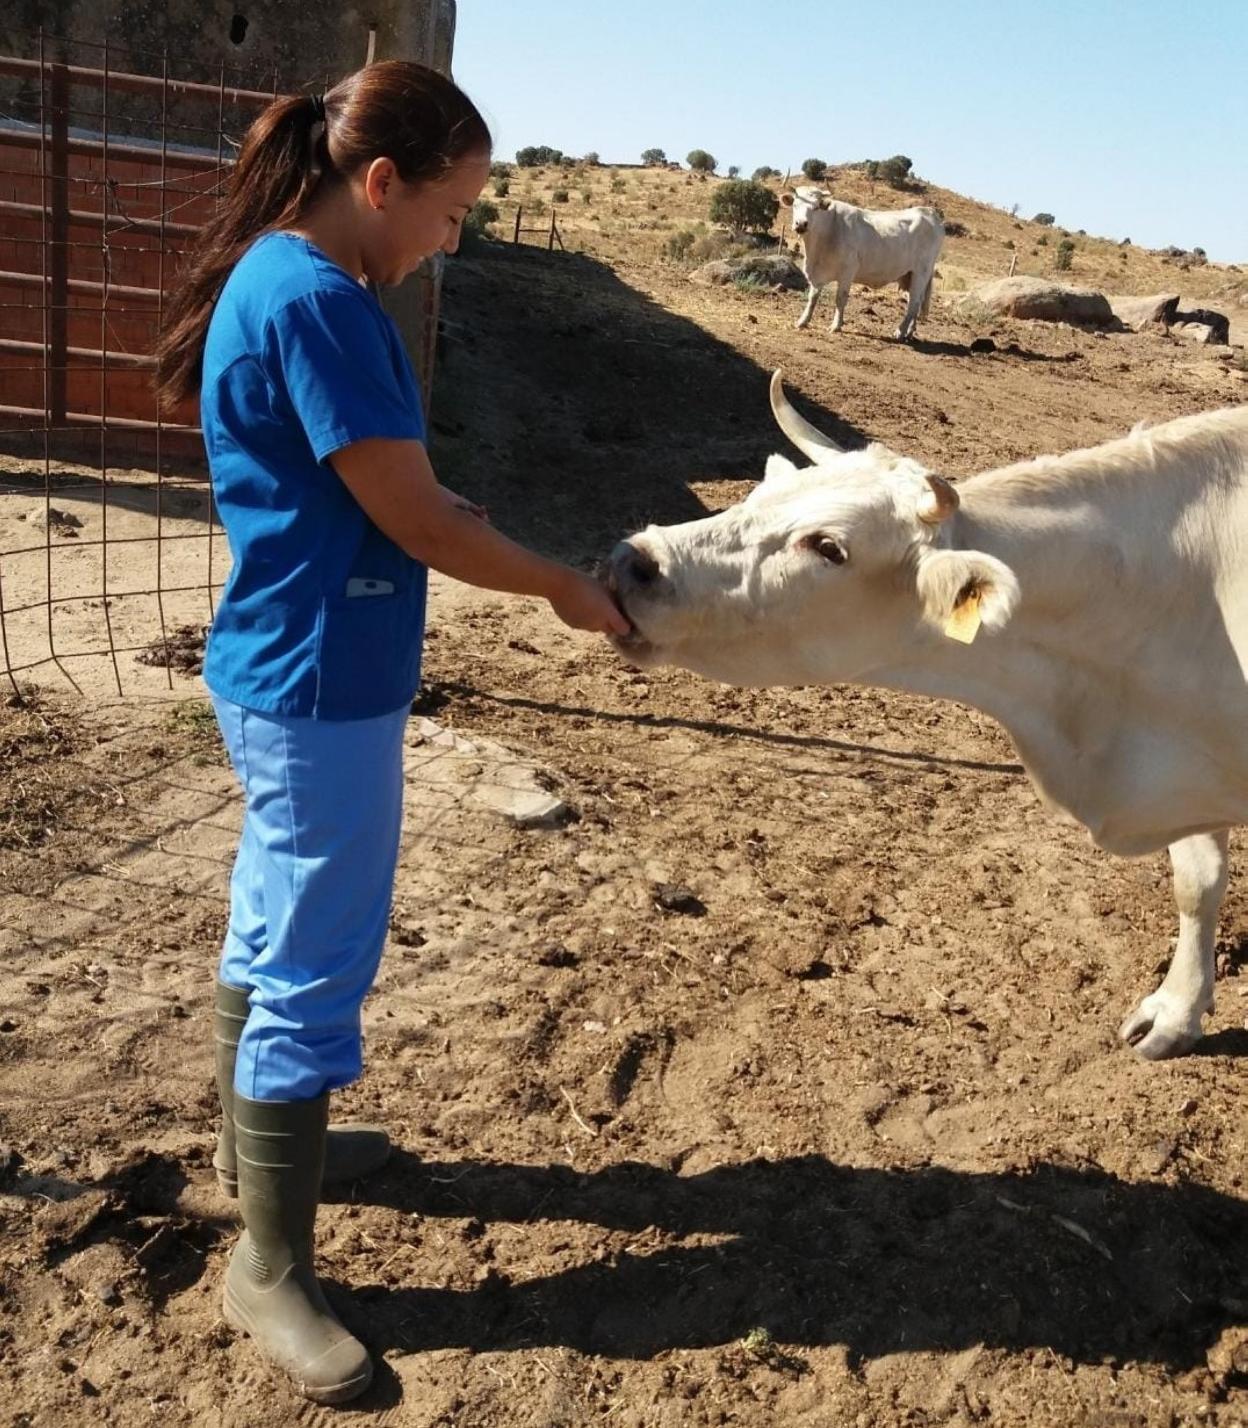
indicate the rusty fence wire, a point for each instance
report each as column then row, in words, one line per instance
column 109, row 543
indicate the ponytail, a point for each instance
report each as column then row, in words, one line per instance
column 396, row 109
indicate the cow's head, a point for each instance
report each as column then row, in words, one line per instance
column 823, row 574
column 804, row 201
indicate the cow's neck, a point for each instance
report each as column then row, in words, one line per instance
column 1060, row 676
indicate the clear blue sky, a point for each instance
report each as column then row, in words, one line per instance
column 1125, row 117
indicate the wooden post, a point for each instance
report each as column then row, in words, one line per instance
column 550, row 241
column 56, row 178
column 516, row 236
column 1013, row 264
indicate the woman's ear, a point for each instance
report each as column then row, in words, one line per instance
column 379, row 179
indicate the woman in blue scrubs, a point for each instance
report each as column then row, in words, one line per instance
column 316, row 442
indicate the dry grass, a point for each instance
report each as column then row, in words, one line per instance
column 645, row 204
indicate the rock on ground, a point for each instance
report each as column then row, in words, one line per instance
column 1040, row 300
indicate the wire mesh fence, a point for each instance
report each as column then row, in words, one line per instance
column 109, row 543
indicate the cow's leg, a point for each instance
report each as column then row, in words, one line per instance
column 1167, row 1023
column 918, row 286
column 812, row 297
column 842, row 297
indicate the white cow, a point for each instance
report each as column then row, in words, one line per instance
column 1095, row 604
column 872, row 246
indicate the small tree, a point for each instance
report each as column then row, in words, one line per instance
column 591, row 158
column 500, row 170
column 1063, row 255
column 536, row 156
column 653, row 157
column 764, row 171
column 814, row 169
column 744, row 206
column 700, row 161
column 502, row 187
column 897, row 171
column 1045, row 220
column 560, row 195
column 733, row 171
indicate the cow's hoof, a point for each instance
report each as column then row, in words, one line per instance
column 1159, row 1028
column 802, row 322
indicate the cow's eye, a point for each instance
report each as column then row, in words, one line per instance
column 830, row 549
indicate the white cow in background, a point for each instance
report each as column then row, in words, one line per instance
column 872, row 246
column 1095, row 604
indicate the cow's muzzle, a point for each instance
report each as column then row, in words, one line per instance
column 631, row 573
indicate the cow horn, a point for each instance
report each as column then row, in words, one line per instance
column 939, row 503
column 808, row 439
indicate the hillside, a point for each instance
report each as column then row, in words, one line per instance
column 631, row 212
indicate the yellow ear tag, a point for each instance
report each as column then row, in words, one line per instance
column 963, row 624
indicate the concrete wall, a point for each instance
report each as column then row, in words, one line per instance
column 262, row 44
column 297, row 42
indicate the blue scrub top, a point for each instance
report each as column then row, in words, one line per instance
column 322, row 615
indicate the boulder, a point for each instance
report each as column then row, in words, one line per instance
column 1197, row 332
column 1138, row 313
column 771, row 270
column 1217, row 323
column 1040, row 300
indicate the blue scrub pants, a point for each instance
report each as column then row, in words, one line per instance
column 310, row 893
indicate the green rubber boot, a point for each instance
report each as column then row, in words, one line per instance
column 351, row 1151
column 271, row 1290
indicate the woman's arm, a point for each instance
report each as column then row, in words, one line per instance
column 396, row 486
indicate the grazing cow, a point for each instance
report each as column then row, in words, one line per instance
column 872, row 246
column 1095, row 604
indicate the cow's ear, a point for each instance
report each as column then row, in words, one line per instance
column 787, row 200
column 779, row 468
column 964, row 590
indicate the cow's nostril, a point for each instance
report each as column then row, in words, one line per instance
column 642, row 566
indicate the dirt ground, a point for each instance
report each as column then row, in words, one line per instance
column 776, row 1084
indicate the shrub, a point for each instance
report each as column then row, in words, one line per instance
column 677, row 247
column 1063, row 255
column 897, row 171
column 618, row 185
column 502, row 187
column 764, row 171
column 560, row 195
column 1045, row 220
column 537, row 156
column 953, row 229
column 715, row 245
column 700, row 161
column 751, row 283
column 481, row 213
column 1043, row 239
column 587, row 195
column 652, row 157
column 814, row 169
column 744, row 206
column 591, row 158
column 733, row 171
column 500, row 170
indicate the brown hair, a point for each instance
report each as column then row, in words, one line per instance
column 395, row 109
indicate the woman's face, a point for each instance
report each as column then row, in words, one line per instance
column 407, row 223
